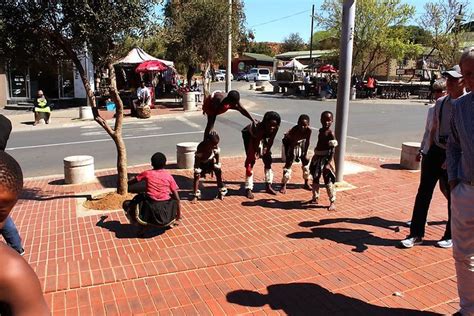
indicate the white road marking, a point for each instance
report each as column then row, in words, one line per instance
column 351, row 137
column 188, row 122
column 104, row 140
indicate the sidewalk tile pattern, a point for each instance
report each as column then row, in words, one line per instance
column 271, row 255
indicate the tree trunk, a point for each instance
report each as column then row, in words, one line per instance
column 189, row 74
column 206, row 80
column 122, row 181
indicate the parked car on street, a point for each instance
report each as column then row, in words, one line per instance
column 220, row 75
column 258, row 74
column 242, row 76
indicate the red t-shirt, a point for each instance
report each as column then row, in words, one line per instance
column 159, row 184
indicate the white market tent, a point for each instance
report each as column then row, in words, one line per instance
column 294, row 64
column 138, row 55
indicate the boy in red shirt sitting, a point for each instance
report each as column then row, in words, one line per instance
column 160, row 205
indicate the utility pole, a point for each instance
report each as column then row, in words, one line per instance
column 311, row 38
column 228, row 72
column 344, row 83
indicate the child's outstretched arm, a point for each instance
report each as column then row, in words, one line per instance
column 132, row 181
column 307, row 143
column 175, row 195
column 211, row 119
column 244, row 112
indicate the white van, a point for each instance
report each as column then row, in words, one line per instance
column 258, row 74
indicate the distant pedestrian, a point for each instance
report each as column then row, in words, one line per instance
column 433, row 164
column 321, row 163
column 42, row 108
column 295, row 145
column 20, row 289
column 9, row 230
column 460, row 160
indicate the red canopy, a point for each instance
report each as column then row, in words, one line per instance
column 327, row 68
column 151, row 65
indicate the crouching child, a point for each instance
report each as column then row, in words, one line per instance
column 206, row 161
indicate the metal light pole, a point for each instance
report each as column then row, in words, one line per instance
column 311, row 38
column 229, row 51
column 344, row 83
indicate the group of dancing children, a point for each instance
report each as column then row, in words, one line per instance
column 160, row 205
column 258, row 138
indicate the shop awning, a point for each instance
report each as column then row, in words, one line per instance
column 138, row 56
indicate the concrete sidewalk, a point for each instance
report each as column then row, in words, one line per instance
column 271, row 255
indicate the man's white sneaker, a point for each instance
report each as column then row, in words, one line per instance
column 411, row 241
column 448, row 243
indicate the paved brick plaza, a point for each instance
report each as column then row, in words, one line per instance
column 238, row 256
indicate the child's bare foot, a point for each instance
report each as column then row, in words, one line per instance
column 332, row 207
column 249, row 194
column 194, row 200
column 315, row 200
column 283, row 189
column 270, row 190
column 306, row 186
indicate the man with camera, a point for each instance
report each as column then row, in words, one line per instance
column 433, row 164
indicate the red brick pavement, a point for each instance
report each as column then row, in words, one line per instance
column 238, row 256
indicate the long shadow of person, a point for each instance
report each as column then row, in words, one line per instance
column 128, row 230
column 358, row 238
column 285, row 205
column 371, row 221
column 312, row 299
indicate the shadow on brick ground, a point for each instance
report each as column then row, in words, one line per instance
column 312, row 299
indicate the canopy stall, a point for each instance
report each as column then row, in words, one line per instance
column 138, row 56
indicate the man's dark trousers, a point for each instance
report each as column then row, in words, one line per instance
column 431, row 172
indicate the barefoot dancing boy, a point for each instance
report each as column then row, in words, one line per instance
column 218, row 103
column 206, row 161
column 258, row 140
column 321, row 161
column 296, row 142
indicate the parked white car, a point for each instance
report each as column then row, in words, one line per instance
column 220, row 75
column 258, row 74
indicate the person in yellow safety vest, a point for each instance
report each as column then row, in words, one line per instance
column 42, row 109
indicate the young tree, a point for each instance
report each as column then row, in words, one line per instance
column 377, row 37
column 293, row 42
column 442, row 19
column 52, row 29
column 261, row 48
column 197, row 32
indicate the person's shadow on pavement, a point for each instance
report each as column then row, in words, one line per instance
column 128, row 230
column 312, row 299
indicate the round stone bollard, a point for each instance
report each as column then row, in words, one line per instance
column 189, row 101
column 79, row 169
column 185, row 154
column 408, row 157
column 85, row 113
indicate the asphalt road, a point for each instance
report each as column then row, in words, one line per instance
column 376, row 129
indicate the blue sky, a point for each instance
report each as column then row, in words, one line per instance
column 273, row 20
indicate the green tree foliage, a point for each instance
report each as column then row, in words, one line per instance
column 39, row 30
column 261, row 48
column 377, row 36
column 293, row 42
column 441, row 18
column 323, row 40
column 197, row 30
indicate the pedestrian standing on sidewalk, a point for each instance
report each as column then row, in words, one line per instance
column 41, row 108
column 460, row 160
column 433, row 164
column 9, row 230
column 20, row 289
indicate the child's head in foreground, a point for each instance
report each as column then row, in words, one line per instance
column 303, row 121
column 327, row 119
column 11, row 184
column 213, row 138
column 158, row 161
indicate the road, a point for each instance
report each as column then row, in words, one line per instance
column 376, row 129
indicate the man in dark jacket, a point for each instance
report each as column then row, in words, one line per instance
column 5, row 130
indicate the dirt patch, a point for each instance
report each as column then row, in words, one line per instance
column 107, row 201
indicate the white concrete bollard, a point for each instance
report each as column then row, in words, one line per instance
column 85, row 113
column 185, row 154
column 79, row 169
column 408, row 156
column 189, row 101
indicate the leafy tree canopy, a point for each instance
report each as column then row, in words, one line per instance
column 293, row 42
column 261, row 48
